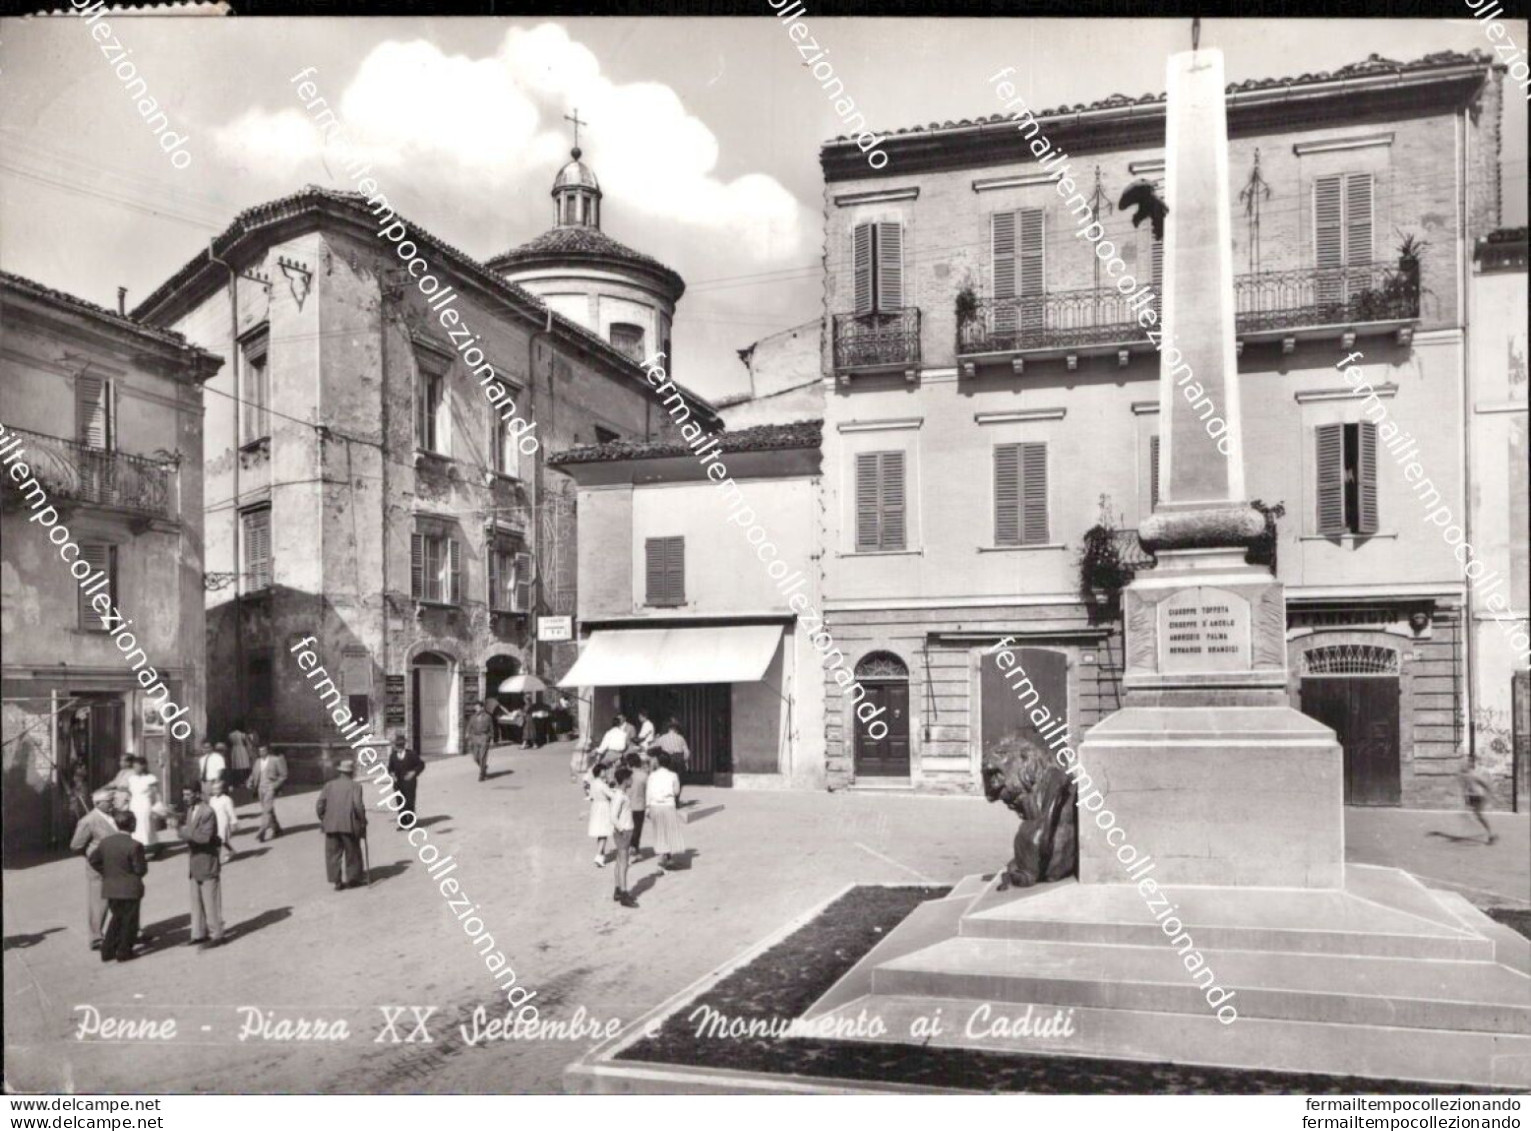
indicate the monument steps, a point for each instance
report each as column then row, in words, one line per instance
column 1281, row 1045
column 1338, row 989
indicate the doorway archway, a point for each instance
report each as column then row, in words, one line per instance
column 885, row 678
column 433, row 703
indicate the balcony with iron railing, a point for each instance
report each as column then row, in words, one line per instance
column 1284, row 306
column 71, row 472
column 877, row 343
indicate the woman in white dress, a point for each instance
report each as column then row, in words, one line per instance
column 599, row 792
column 143, row 802
column 663, row 790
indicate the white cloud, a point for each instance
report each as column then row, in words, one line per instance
column 494, row 126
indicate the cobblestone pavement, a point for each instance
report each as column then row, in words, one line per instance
column 299, row 950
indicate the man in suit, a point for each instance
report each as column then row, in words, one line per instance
column 342, row 815
column 267, row 777
column 204, row 870
column 406, row 766
column 120, row 860
column 89, row 832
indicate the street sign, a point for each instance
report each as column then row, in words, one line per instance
column 555, row 628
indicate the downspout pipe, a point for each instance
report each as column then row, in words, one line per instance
column 535, row 522
column 239, row 581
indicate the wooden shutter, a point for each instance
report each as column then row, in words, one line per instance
column 861, row 257
column 521, row 596
column 890, row 267
column 257, row 549
column 1153, row 472
column 1331, row 478
column 892, row 518
column 867, row 496
column 1033, row 494
column 1007, row 494
column 1328, row 222
column 1358, row 219
column 675, row 570
column 493, row 553
column 1029, row 267
column 454, row 571
column 99, row 556
column 653, row 571
column 92, row 418
column 1156, row 275
column 1366, row 477
column 1002, row 245
column 417, row 566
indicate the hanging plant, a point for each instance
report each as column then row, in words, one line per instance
column 967, row 305
column 1263, row 550
column 1103, row 570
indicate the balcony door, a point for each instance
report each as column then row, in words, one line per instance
column 93, row 432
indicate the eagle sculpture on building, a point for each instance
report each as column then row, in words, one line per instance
column 1144, row 197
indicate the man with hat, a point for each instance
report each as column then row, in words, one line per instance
column 204, row 868
column 406, row 766
column 342, row 812
column 89, row 832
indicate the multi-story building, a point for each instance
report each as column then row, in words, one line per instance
column 366, row 485
column 103, row 435
column 786, row 386
column 993, row 396
column 1500, row 490
column 685, row 613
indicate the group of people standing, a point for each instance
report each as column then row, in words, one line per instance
column 118, row 831
column 631, row 780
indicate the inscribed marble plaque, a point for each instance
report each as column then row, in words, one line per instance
column 1204, row 630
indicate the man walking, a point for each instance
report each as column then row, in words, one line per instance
column 89, row 832
column 480, row 731
column 406, row 766
column 212, row 764
column 267, row 777
column 342, row 813
column 204, row 870
column 120, row 860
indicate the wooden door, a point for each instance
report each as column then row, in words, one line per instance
column 887, row 757
column 433, row 710
column 1364, row 714
column 106, row 732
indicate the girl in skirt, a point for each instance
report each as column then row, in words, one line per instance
column 600, row 812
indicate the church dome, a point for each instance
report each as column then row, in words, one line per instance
column 576, row 174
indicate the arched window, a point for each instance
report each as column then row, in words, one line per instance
column 1350, row 659
column 881, row 665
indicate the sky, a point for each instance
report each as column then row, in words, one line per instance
column 704, row 133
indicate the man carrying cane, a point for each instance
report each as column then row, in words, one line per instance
column 342, row 812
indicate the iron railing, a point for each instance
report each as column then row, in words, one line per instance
column 1266, row 300
column 75, row 472
column 877, row 340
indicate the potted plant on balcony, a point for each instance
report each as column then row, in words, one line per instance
column 1398, row 294
column 1263, row 550
column 1103, row 569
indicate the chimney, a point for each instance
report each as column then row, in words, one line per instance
column 122, row 301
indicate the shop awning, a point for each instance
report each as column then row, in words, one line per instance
column 706, row 654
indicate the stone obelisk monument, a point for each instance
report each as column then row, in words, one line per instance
column 1208, row 767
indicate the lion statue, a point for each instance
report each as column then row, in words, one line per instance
column 1029, row 781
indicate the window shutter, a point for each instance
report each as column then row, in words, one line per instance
column 417, row 566
column 1030, row 267
column 675, row 570
column 1331, row 478
column 1156, row 274
column 1358, row 219
column 1366, row 474
column 892, row 476
column 1153, row 473
column 493, row 598
column 454, row 572
column 861, row 256
column 1328, row 240
column 257, row 549
column 1002, row 242
column 1007, row 494
column 653, row 570
column 93, row 428
column 866, row 501
column 1033, row 494
column 98, row 556
column 521, row 598
column 890, row 267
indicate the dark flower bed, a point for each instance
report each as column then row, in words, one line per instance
column 784, row 981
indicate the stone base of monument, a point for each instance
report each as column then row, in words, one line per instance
column 1380, row 977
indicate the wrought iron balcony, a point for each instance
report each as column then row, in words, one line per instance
column 871, row 343
column 73, row 472
column 1268, row 304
